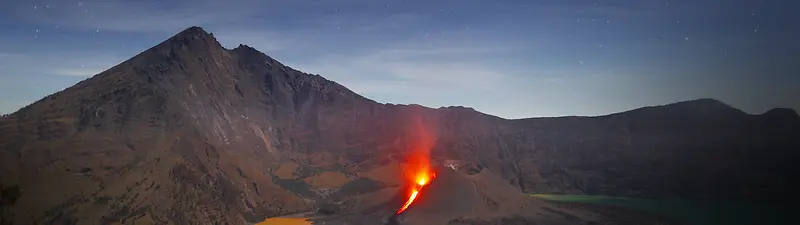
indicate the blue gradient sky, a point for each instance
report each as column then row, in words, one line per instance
column 509, row 58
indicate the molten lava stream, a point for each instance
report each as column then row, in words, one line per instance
column 423, row 179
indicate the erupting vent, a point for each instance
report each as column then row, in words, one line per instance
column 422, row 178
column 418, row 172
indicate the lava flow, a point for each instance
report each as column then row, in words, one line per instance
column 422, row 178
column 418, row 170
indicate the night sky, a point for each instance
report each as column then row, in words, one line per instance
column 513, row 59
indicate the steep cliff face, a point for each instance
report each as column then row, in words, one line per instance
column 190, row 132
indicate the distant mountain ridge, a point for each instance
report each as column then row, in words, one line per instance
column 191, row 132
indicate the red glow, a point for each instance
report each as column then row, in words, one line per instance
column 423, row 178
column 418, row 171
column 408, row 202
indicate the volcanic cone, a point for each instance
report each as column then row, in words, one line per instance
column 455, row 196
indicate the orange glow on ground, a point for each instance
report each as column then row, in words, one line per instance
column 423, row 178
column 408, row 202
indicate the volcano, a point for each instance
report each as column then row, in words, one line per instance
column 457, row 197
column 189, row 132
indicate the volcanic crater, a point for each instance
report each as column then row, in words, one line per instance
column 188, row 132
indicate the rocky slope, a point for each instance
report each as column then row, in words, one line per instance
column 191, row 132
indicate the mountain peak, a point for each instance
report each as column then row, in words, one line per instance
column 705, row 105
column 249, row 52
column 244, row 47
column 192, row 34
column 702, row 101
column 782, row 113
column 194, row 31
column 191, row 39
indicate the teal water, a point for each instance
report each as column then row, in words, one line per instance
column 694, row 212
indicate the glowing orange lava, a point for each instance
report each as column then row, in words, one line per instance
column 422, row 178
column 418, row 171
